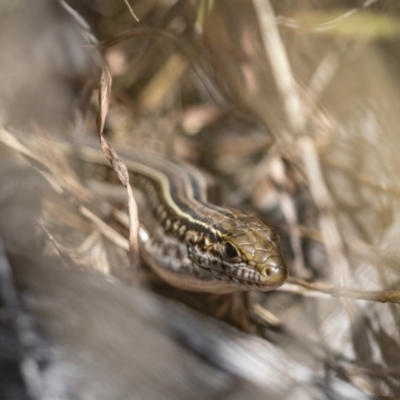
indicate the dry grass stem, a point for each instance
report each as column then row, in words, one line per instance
column 265, row 315
column 9, row 140
column 301, row 287
column 63, row 253
column 131, row 11
column 164, row 82
column 105, row 229
column 294, row 24
column 327, row 221
column 280, row 66
column 320, row 80
column 289, row 211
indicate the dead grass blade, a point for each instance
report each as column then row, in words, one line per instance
column 121, row 170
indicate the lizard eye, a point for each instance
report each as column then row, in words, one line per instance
column 230, row 251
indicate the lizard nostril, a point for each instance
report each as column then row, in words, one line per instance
column 275, row 270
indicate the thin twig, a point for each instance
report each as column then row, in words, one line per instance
column 68, row 260
column 131, row 11
column 344, row 292
column 105, row 229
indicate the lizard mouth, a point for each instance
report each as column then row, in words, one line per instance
column 270, row 277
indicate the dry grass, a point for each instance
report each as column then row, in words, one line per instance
column 289, row 123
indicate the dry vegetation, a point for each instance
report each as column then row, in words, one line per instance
column 291, row 107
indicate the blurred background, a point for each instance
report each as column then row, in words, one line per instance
column 292, row 107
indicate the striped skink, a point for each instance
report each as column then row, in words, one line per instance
column 193, row 244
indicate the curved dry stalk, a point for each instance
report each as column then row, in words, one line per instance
column 120, row 168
